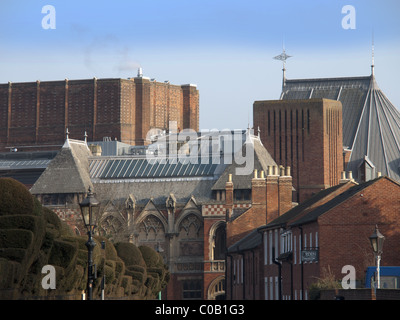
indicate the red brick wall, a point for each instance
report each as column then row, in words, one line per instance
column 343, row 235
column 349, row 226
column 249, row 276
column 4, row 97
column 38, row 113
column 304, row 135
column 128, row 115
column 190, row 107
column 271, row 197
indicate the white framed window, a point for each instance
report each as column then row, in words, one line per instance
column 271, row 289
column 295, row 250
column 241, row 269
column 300, row 248
column 270, row 247
column 265, row 248
column 234, row 271
column 286, row 241
column 266, row 288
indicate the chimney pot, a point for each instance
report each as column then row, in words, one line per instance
column 255, row 173
column 350, row 175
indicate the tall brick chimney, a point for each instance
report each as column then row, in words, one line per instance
column 229, row 197
column 259, row 192
column 272, row 192
column 285, row 190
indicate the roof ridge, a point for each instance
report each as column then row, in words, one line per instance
column 310, row 204
column 339, row 199
column 329, row 79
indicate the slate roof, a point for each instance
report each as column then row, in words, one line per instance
column 314, row 214
column 250, row 241
column 74, row 169
column 145, row 178
column 371, row 124
column 68, row 172
column 25, row 167
column 159, row 190
column 262, row 159
column 148, row 168
column 305, row 205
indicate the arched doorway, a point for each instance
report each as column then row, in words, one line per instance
column 216, row 290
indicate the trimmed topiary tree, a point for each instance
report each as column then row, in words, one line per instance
column 32, row 236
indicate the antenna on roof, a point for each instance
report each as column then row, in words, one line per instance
column 283, row 57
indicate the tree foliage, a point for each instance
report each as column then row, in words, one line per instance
column 32, row 236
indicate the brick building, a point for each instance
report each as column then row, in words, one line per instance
column 316, row 239
column 37, row 114
column 189, row 211
column 370, row 126
column 305, row 135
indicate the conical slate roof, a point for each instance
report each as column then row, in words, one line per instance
column 371, row 124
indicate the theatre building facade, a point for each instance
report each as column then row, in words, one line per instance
column 187, row 211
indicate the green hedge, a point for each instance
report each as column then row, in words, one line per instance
column 15, row 198
column 27, row 222
column 16, row 238
column 32, row 236
column 14, row 254
column 63, row 253
column 130, row 254
column 150, row 256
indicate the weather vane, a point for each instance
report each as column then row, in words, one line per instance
column 283, row 57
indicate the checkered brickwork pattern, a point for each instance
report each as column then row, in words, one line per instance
column 219, row 209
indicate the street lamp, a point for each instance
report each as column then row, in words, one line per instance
column 377, row 240
column 89, row 207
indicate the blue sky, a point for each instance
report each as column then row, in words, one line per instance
column 225, row 47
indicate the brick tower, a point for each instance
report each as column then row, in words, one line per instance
column 305, row 135
column 37, row 114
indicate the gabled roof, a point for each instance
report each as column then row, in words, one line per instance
column 314, row 214
column 308, row 204
column 262, row 159
column 68, row 172
column 371, row 124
